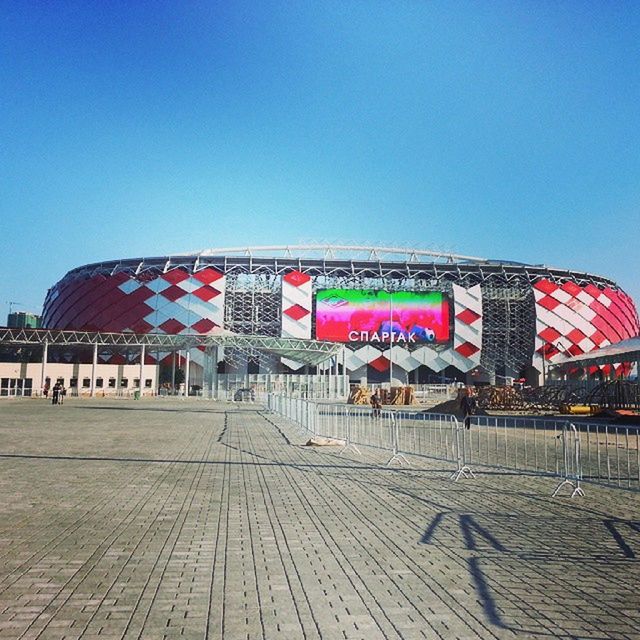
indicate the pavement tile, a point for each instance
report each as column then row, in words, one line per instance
column 195, row 519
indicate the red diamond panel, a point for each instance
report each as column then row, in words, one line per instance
column 467, row 349
column 208, row 275
column 206, row 293
column 548, row 351
column 575, row 335
column 548, row 303
column 296, row 312
column 550, row 334
column 545, row 286
column 172, row 326
column 601, row 324
column 571, row 288
column 175, row 276
column 142, row 326
column 173, row 293
column 575, row 350
column 296, row 278
column 380, row 364
column 592, row 290
column 203, row 326
column 467, row 316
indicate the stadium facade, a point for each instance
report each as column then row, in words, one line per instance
column 415, row 315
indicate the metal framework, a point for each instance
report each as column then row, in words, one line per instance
column 253, row 294
column 308, row 351
column 413, row 267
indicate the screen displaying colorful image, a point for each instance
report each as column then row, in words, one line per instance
column 401, row 317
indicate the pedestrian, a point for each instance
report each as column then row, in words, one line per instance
column 45, row 389
column 62, row 394
column 468, row 406
column 55, row 393
column 376, row 405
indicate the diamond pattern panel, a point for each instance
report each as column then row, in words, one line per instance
column 203, row 326
column 169, row 302
column 175, row 276
column 380, row 364
column 467, row 329
column 570, row 317
column 297, row 301
column 208, row 275
column 172, row 326
column 574, row 319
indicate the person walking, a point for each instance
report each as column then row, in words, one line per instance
column 376, row 405
column 55, row 393
column 468, row 406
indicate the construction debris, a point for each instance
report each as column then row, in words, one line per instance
column 318, row 441
column 396, row 396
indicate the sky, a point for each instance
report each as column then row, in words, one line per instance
column 507, row 130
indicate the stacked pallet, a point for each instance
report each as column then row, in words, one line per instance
column 359, row 395
column 396, row 396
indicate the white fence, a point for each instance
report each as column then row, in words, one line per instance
column 574, row 452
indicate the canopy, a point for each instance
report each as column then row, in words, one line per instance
column 625, row 351
column 301, row 350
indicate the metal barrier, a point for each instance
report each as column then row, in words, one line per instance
column 403, row 433
column 576, row 452
column 464, row 470
column 571, row 457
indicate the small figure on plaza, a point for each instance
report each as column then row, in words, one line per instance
column 468, row 406
column 55, row 393
column 376, row 405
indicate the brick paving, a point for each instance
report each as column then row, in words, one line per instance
column 166, row 519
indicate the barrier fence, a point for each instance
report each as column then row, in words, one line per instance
column 573, row 452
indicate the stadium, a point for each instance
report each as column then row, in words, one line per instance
column 401, row 315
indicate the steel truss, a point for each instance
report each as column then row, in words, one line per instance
column 307, row 351
column 253, row 294
column 477, row 269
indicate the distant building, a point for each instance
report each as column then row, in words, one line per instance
column 24, row 320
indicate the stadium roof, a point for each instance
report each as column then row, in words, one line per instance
column 329, row 251
column 339, row 260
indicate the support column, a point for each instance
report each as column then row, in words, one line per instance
column 156, row 390
column 173, row 373
column 214, row 373
column 94, row 365
column 345, row 375
column 141, row 378
column 186, row 373
column 43, row 372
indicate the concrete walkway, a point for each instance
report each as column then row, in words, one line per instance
column 166, row 519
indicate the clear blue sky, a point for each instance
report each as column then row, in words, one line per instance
column 500, row 129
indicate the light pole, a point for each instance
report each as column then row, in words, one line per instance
column 390, row 343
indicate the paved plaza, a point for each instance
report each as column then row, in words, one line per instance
column 194, row 519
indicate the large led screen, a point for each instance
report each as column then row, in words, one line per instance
column 401, row 317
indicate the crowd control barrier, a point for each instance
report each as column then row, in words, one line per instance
column 575, row 452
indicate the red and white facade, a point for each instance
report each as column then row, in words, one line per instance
column 565, row 313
